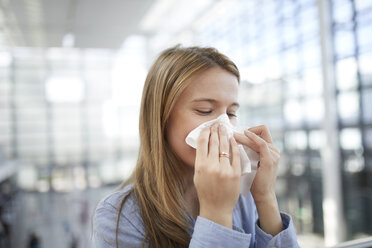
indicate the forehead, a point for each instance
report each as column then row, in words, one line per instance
column 215, row 83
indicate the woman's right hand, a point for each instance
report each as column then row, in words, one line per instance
column 216, row 178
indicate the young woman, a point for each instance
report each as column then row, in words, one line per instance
column 179, row 196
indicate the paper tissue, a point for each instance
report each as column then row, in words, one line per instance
column 248, row 158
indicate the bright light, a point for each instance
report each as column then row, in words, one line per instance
column 64, row 89
column 27, row 178
column 346, row 73
column 293, row 111
column 354, row 164
column 5, row 59
column 348, row 104
column 350, row 139
column 316, row 139
column 68, row 40
column 255, row 74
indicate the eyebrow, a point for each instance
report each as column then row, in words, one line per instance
column 213, row 101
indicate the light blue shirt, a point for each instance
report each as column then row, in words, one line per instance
column 206, row 234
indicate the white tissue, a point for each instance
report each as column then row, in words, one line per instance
column 248, row 158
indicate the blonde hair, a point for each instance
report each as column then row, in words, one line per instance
column 158, row 184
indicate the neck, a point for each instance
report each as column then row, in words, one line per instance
column 190, row 194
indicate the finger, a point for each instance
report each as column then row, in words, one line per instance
column 202, row 143
column 244, row 140
column 260, row 145
column 224, row 144
column 263, row 132
column 235, row 163
column 213, row 142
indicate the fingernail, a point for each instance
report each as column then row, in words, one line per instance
column 247, row 131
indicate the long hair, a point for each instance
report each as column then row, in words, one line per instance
column 158, row 184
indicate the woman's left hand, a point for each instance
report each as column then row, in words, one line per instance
column 263, row 187
column 259, row 140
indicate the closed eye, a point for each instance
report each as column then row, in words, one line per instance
column 231, row 115
column 204, row 112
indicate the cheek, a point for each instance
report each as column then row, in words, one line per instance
column 179, row 146
column 176, row 138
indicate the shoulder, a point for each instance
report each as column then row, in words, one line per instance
column 115, row 199
column 131, row 228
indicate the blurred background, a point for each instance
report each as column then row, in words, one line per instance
column 71, row 77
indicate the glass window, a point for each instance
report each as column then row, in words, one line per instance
column 362, row 4
column 314, row 109
column 344, row 43
column 293, row 111
column 274, row 91
column 342, row 11
column 289, row 29
column 289, row 9
column 348, row 105
column 368, row 137
column 296, row 140
column 64, row 89
column 313, row 82
column 365, row 68
column 364, row 17
column 346, row 73
column 364, row 38
column 291, row 61
column 311, row 54
column 308, row 24
column 272, row 67
column 31, row 76
column 354, row 164
column 294, row 87
column 350, row 139
column 367, row 105
column 316, row 139
column 29, row 58
column 298, row 167
column 5, row 59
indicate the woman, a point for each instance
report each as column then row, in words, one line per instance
column 182, row 197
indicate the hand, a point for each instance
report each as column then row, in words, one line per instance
column 263, row 187
column 216, row 179
column 259, row 139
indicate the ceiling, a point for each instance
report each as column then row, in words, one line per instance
column 93, row 23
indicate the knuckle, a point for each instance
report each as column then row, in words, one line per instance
column 213, row 171
column 235, row 176
column 262, row 144
column 263, row 127
column 224, row 175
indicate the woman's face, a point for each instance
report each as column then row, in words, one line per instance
column 209, row 94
